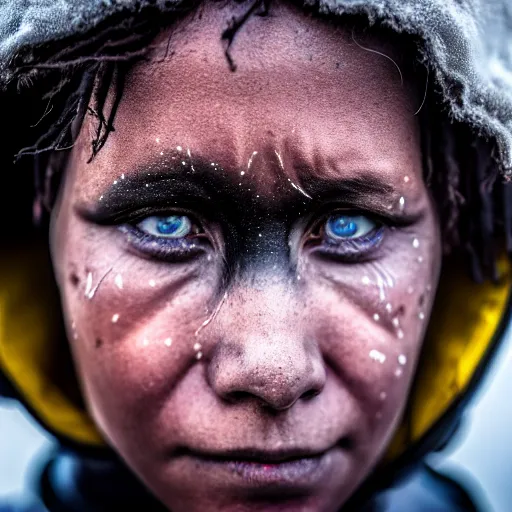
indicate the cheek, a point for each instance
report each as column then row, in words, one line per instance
column 370, row 320
column 133, row 324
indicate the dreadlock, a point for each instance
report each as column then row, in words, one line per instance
column 464, row 179
column 474, row 202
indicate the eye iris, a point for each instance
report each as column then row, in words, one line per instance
column 174, row 225
column 341, row 226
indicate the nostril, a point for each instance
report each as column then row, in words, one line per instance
column 270, row 375
column 237, row 396
column 346, row 443
column 311, row 393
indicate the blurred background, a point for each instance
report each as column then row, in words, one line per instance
column 481, row 452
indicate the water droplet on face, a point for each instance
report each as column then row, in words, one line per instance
column 168, row 342
column 101, row 198
column 383, row 395
column 389, row 307
column 197, row 346
column 398, row 372
column 90, row 291
column 400, row 334
column 376, row 317
column 157, row 140
column 415, row 243
column 212, row 316
column 396, row 322
column 249, row 163
column 115, row 182
column 421, row 315
column 115, row 318
column 152, row 283
column 161, row 153
column 242, row 173
column 179, row 148
column 401, row 203
column 147, row 184
column 382, row 278
column 199, row 355
column 406, row 179
column 122, row 176
column 119, row 281
column 366, row 280
column 377, row 356
column 402, row 359
column 88, row 285
column 420, row 259
column 280, row 160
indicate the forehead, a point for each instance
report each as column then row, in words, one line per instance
column 306, row 93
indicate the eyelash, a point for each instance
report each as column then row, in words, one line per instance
column 172, row 250
column 352, row 250
column 176, row 250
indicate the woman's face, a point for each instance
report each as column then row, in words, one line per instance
column 248, row 265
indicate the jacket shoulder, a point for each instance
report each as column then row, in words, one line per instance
column 426, row 490
column 22, row 505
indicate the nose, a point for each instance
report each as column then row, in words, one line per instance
column 264, row 352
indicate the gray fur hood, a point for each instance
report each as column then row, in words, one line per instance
column 468, row 44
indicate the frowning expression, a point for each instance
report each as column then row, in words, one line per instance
column 248, row 265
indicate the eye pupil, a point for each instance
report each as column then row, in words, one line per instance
column 172, row 226
column 169, row 225
column 342, row 226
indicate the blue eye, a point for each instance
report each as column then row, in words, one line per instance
column 173, row 226
column 348, row 227
column 173, row 238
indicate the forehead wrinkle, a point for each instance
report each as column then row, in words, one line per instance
column 325, row 175
column 314, row 156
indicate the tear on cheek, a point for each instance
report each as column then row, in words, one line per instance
column 93, row 283
column 74, row 332
column 385, row 399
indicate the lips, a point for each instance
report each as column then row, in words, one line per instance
column 261, row 456
column 294, row 470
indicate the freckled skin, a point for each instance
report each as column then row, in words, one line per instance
column 285, row 340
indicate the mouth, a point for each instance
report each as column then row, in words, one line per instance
column 294, row 469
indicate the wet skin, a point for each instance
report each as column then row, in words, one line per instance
column 262, row 359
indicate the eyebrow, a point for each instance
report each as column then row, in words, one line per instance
column 365, row 185
column 164, row 184
column 175, row 183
